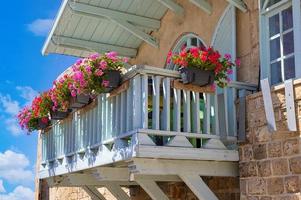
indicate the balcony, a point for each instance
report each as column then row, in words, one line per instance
column 151, row 115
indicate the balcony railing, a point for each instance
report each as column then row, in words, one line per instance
column 147, row 103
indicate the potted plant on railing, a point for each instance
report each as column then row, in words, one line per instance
column 203, row 67
column 60, row 96
column 36, row 116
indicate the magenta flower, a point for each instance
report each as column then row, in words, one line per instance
column 105, row 83
column 112, row 55
column 103, row 65
column 229, row 71
column 99, row 72
column 227, row 56
column 125, row 59
column 237, row 62
column 94, row 56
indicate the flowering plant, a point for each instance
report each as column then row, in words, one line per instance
column 90, row 74
column 31, row 117
column 206, row 59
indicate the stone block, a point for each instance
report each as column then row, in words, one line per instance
column 275, row 186
column 264, row 168
column 292, row 184
column 280, row 166
column 248, row 169
column 291, row 147
column 262, row 134
column 274, row 149
column 247, row 153
column 260, row 151
column 256, row 186
column 295, row 165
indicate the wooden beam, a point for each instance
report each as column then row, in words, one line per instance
column 203, row 4
column 152, row 189
column 198, row 186
column 144, row 166
column 117, row 191
column 111, row 174
column 93, row 193
column 93, row 46
column 172, row 5
column 88, row 10
column 239, row 4
column 137, row 32
column 268, row 104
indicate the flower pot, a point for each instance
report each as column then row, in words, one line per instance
column 59, row 115
column 79, row 101
column 114, row 79
column 42, row 123
column 196, row 76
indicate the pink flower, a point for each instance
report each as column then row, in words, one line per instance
column 94, row 56
column 103, row 64
column 105, row 83
column 213, row 86
column 73, row 93
column 99, row 72
column 89, row 69
column 227, row 56
column 125, row 59
column 112, row 55
column 169, row 55
column 78, row 62
column 237, row 62
column 195, row 52
column 228, row 80
column 229, row 71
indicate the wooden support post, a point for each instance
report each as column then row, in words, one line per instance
column 93, row 193
column 198, row 186
column 152, row 189
column 117, row 191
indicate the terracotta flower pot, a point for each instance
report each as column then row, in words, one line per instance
column 43, row 123
column 196, row 76
column 79, row 101
column 59, row 115
column 114, row 79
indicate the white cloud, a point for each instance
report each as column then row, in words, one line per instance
column 13, row 127
column 27, row 93
column 13, row 167
column 19, row 193
column 2, row 189
column 10, row 106
column 40, row 27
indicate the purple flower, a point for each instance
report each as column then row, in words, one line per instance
column 103, row 65
column 229, row 71
column 112, row 55
column 94, row 56
column 228, row 56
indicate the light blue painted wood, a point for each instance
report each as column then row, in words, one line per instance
column 129, row 107
column 196, row 112
column 187, row 111
column 123, row 113
column 165, row 119
column 177, row 110
column 268, row 104
column 137, row 102
column 145, row 101
column 156, row 102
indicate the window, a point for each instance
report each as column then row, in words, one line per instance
column 186, row 42
column 278, row 39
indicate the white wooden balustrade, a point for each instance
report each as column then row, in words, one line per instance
column 150, row 119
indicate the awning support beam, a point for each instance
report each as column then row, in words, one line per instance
column 93, row 46
column 239, row 4
column 203, row 4
column 172, row 5
column 93, row 193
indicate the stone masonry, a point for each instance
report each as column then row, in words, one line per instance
column 270, row 163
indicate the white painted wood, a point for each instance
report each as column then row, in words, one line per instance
column 172, row 5
column 179, row 141
column 156, row 102
column 129, row 107
column 93, row 46
column 146, row 166
column 111, row 174
column 297, row 35
column 177, row 110
column 198, row 186
column 226, row 112
column 196, row 113
column 152, row 189
column 123, row 113
column 144, row 139
column 187, row 116
column 207, row 123
column 290, row 105
column 137, row 103
column 93, row 193
column 117, row 191
column 268, row 104
column 214, row 144
column 216, row 117
column 85, row 9
column 239, row 4
column 203, row 4
column 165, row 119
column 145, row 101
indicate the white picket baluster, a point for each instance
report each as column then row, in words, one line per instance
column 129, row 107
column 145, row 101
column 137, row 103
column 165, row 120
column 196, row 112
column 156, row 103
column 123, row 113
column 177, row 110
column 187, row 120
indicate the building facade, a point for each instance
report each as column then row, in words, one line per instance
column 233, row 149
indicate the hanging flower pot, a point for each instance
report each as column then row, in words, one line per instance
column 59, row 115
column 79, row 101
column 197, row 76
column 112, row 80
column 43, row 123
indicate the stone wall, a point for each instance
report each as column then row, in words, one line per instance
column 270, row 163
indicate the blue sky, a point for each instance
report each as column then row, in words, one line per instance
column 23, row 73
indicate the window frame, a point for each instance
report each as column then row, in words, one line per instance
column 265, row 13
